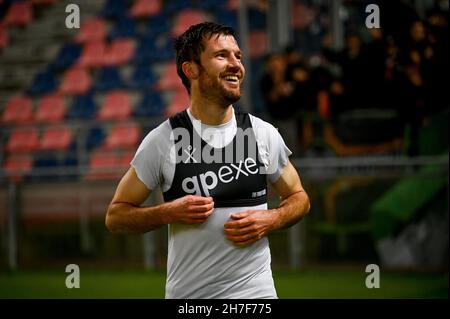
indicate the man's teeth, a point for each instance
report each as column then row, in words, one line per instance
column 231, row 78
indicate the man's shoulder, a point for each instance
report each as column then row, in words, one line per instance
column 261, row 125
column 160, row 135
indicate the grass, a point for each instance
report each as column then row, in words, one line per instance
column 313, row 283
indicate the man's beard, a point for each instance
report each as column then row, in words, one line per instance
column 216, row 91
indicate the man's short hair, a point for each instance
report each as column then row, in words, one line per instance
column 190, row 45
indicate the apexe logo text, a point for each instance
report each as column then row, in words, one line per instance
column 227, row 173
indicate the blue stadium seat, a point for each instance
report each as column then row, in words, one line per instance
column 95, row 138
column 142, row 78
column 177, row 6
column 109, row 79
column 124, row 28
column 158, row 24
column 211, row 5
column 67, row 55
column 150, row 105
column 115, row 9
column 43, row 82
column 144, row 50
column 227, row 17
column 82, row 107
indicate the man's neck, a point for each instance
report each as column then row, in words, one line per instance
column 210, row 113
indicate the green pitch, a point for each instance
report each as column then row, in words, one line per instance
column 150, row 284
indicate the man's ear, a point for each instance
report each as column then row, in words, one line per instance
column 190, row 69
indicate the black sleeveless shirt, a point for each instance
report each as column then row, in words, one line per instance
column 233, row 175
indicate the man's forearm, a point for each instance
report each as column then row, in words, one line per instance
column 291, row 210
column 127, row 218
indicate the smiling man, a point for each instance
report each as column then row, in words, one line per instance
column 216, row 209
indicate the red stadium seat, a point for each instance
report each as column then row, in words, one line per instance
column 169, row 79
column 51, row 108
column 185, row 19
column 93, row 29
column 16, row 166
column 123, row 136
column 103, row 166
column 19, row 14
column 179, row 102
column 106, row 165
column 76, row 81
column 18, row 110
column 119, row 52
column 145, row 8
column 56, row 138
column 258, row 43
column 93, row 54
column 22, row 140
column 117, row 106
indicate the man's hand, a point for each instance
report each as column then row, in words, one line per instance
column 248, row 227
column 189, row 209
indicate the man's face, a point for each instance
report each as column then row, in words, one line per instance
column 221, row 71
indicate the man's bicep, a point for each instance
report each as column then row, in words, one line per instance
column 289, row 182
column 131, row 189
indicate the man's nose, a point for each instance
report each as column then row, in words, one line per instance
column 234, row 63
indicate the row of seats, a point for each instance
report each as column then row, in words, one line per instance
column 116, row 105
column 101, row 165
column 62, row 137
column 79, row 80
column 17, row 14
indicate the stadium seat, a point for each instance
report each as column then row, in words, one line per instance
column 18, row 110
column 115, row 9
column 145, row 8
column 93, row 54
column 67, row 55
column 151, row 105
column 76, row 81
column 56, row 138
column 258, row 44
column 83, row 107
column 22, row 140
column 157, row 25
column 212, row 5
column 176, row 6
column 117, row 106
column 123, row 136
column 93, row 29
column 95, row 138
column 227, row 17
column 43, row 82
column 17, row 166
column 185, row 19
column 124, row 28
column 109, row 79
column 51, row 108
column 169, row 79
column 179, row 102
column 19, row 14
column 142, row 78
column 119, row 52
column 104, row 166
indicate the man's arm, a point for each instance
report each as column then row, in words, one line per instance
column 248, row 227
column 125, row 216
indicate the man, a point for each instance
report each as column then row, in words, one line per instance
column 216, row 209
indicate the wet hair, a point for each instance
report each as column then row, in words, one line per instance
column 190, row 44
